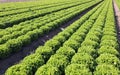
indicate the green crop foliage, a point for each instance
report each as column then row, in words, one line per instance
column 77, row 38
column 108, row 59
column 59, row 61
column 53, row 43
column 60, row 38
column 18, row 69
column 27, row 67
column 14, row 45
column 88, row 49
column 48, row 70
column 105, row 69
column 25, row 39
column 45, row 51
column 77, row 69
column 67, row 51
column 92, row 37
column 83, row 58
column 4, row 51
column 80, row 34
column 109, row 37
column 33, row 35
column 110, row 43
column 90, row 43
column 57, row 56
column 65, row 34
column 73, row 44
column 110, row 33
column 108, row 49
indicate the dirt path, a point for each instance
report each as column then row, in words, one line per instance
column 15, row 58
column 117, row 17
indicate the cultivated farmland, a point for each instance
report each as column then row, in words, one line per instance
column 54, row 37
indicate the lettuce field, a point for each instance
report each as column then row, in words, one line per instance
column 60, row 37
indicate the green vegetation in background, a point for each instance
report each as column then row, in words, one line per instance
column 118, row 3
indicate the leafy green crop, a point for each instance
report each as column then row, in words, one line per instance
column 105, row 69
column 48, row 70
column 108, row 59
column 77, row 69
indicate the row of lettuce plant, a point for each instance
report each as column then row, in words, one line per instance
column 15, row 45
column 108, row 61
column 83, row 63
column 43, row 53
column 8, row 21
column 29, row 9
column 21, row 5
column 26, row 27
column 61, row 59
